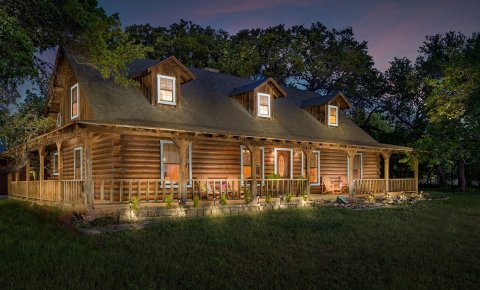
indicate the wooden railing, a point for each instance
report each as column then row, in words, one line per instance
column 367, row 186
column 377, row 186
column 156, row 190
column 48, row 190
column 405, row 184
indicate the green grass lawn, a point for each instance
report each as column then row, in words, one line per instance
column 433, row 244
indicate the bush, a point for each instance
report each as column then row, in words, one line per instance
column 196, row 201
column 289, row 197
column 223, row 199
column 274, row 176
column 169, row 202
column 247, row 195
column 134, row 203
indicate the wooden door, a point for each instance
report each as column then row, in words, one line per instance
column 284, row 163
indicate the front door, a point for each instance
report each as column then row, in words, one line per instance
column 284, row 163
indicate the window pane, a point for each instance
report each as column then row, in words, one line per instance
column 333, row 115
column 74, row 102
column 171, row 162
column 357, row 167
column 78, row 164
column 263, row 100
column 313, row 175
column 247, row 164
column 166, row 84
column 166, row 95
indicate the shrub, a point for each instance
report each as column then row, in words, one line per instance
column 274, row 176
column 169, row 202
column 134, row 203
column 247, row 195
column 223, row 199
column 196, row 201
column 289, row 197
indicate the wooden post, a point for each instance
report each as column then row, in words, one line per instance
column 27, row 174
column 415, row 174
column 308, row 161
column 183, row 146
column 88, row 183
column 254, row 149
column 41, row 155
column 60, row 169
column 386, row 168
column 351, row 156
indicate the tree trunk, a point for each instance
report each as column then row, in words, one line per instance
column 461, row 174
column 442, row 181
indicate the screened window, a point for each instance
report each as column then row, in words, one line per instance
column 357, row 167
column 74, row 95
column 314, row 169
column 332, row 115
column 55, row 163
column 246, row 163
column 77, row 163
column 170, row 164
column 263, row 105
column 166, row 90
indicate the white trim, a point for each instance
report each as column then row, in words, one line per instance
column 291, row 159
column 336, row 116
column 361, row 165
column 58, row 122
column 258, row 105
column 75, row 86
column 55, row 163
column 189, row 184
column 318, row 166
column 75, row 163
column 174, row 93
column 262, row 156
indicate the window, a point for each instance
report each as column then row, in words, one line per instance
column 55, row 163
column 166, row 90
column 170, row 161
column 332, row 115
column 314, row 167
column 263, row 105
column 357, row 166
column 246, row 163
column 59, row 120
column 74, row 101
column 77, row 163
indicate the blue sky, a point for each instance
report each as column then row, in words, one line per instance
column 391, row 28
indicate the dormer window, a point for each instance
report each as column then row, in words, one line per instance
column 166, row 90
column 74, row 101
column 263, row 101
column 332, row 115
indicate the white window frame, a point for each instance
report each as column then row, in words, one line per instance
column 59, row 118
column 318, row 166
column 174, row 101
column 74, row 87
column 361, row 165
column 269, row 105
column 275, row 150
column 336, row 115
column 55, row 163
column 75, row 163
column 262, row 155
column 162, row 166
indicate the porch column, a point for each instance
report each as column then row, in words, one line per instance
column 60, row 169
column 183, row 146
column 253, row 163
column 88, row 183
column 386, row 168
column 308, row 161
column 41, row 155
column 415, row 173
column 351, row 156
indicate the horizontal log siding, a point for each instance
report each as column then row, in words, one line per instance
column 68, row 147
column 333, row 163
column 371, row 165
column 139, row 157
column 215, row 159
column 102, row 157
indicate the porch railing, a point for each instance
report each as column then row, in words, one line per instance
column 69, row 191
column 156, row 190
column 378, row 186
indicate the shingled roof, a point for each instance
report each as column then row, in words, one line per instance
column 206, row 107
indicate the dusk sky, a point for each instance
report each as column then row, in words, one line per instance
column 391, row 28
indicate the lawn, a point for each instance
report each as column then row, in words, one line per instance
column 433, row 244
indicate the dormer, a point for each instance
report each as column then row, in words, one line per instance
column 327, row 108
column 258, row 97
column 160, row 82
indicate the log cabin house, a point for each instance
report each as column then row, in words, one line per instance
column 185, row 132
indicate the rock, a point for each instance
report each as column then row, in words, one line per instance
column 341, row 199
